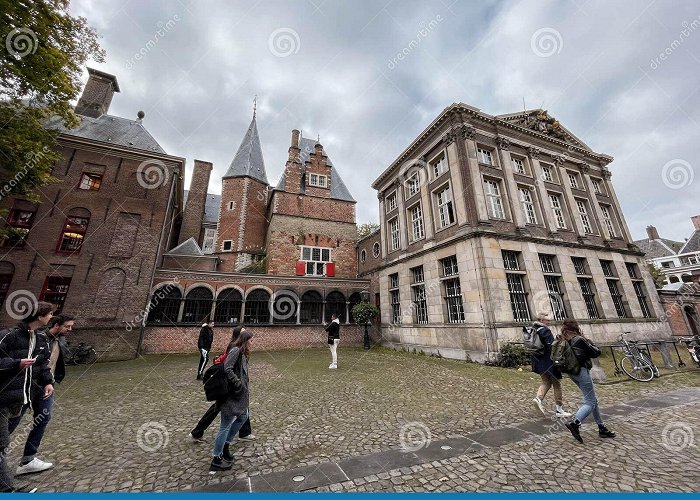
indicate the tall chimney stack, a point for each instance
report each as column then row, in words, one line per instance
column 696, row 221
column 652, row 233
column 295, row 138
column 97, row 94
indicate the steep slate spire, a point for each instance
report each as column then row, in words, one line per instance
column 248, row 161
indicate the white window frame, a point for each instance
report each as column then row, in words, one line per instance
column 583, row 215
column 391, row 201
column 485, row 156
column 315, row 259
column 231, row 205
column 413, row 185
column 557, row 210
column 318, row 180
column 417, row 226
column 376, row 250
column 363, row 256
column 394, row 234
column 442, row 205
column 596, row 186
column 528, row 204
column 573, row 180
column 494, row 204
column 518, row 165
column 607, row 218
column 439, row 165
column 223, row 246
column 547, row 172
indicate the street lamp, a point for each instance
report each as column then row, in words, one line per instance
column 364, row 295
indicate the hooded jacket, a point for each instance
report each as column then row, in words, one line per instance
column 333, row 330
column 542, row 363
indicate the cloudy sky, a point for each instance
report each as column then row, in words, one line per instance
column 623, row 76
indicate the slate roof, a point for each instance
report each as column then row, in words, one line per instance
column 693, row 243
column 111, row 130
column 211, row 207
column 654, row 249
column 248, row 161
column 187, row 248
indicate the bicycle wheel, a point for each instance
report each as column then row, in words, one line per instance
column 637, row 369
column 654, row 369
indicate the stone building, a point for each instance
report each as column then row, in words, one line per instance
column 92, row 243
column 487, row 220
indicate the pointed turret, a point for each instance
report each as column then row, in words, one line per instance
column 248, row 161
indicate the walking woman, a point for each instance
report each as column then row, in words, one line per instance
column 234, row 409
column 584, row 350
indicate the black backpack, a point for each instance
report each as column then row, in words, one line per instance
column 563, row 357
column 217, row 386
column 532, row 342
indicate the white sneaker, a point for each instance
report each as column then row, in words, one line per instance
column 561, row 412
column 333, row 366
column 538, row 404
column 249, row 437
column 35, row 465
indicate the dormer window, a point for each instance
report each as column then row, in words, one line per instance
column 318, row 180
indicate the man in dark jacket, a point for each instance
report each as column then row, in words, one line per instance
column 206, row 337
column 542, row 365
column 53, row 335
column 24, row 375
column 333, row 330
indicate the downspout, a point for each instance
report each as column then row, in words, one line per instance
column 142, row 333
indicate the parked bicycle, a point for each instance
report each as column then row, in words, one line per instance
column 637, row 364
column 693, row 345
column 81, row 355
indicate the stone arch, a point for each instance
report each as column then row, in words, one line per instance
column 165, row 303
column 198, row 303
column 311, row 307
column 336, row 303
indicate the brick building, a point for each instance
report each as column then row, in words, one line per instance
column 92, row 243
column 279, row 259
column 485, row 221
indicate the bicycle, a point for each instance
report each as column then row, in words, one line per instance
column 637, row 364
column 81, row 355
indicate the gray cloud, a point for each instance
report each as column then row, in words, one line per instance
column 604, row 81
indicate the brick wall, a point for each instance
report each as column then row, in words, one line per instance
column 371, row 262
column 196, row 199
column 675, row 312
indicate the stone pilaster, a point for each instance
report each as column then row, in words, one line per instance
column 477, row 183
column 569, row 195
column 616, row 205
column 597, row 212
column 513, row 198
column 534, row 155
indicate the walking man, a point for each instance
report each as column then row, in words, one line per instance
column 54, row 336
column 206, row 337
column 333, row 330
column 542, row 365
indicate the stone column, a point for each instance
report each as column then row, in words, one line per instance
column 299, row 312
column 597, row 212
column 477, row 190
column 513, row 195
column 212, row 311
column 181, row 310
column 403, row 227
column 616, row 205
column 347, row 312
column 466, row 132
column 534, row 154
column 241, row 320
column 382, row 223
column 569, row 195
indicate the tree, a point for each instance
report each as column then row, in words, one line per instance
column 42, row 55
column 363, row 313
column 657, row 275
column 364, row 230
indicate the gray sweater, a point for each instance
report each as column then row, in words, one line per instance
column 235, row 406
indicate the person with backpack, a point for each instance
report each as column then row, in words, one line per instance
column 583, row 350
column 206, row 338
column 246, row 432
column 234, row 406
column 541, row 348
column 333, row 330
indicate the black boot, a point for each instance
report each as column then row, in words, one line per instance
column 604, row 432
column 218, row 463
column 227, row 453
column 575, row 427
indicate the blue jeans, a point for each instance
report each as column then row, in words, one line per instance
column 590, row 402
column 42, row 415
column 229, row 427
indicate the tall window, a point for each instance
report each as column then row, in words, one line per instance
column 583, row 214
column 445, row 207
column 417, row 231
column 440, row 167
column 198, row 303
column 7, row 271
column 208, row 241
column 394, row 233
column 639, row 289
column 420, row 305
column 518, row 166
column 452, row 290
column 528, row 205
column 165, row 305
column 228, row 306
column 516, row 286
column 555, row 204
column 552, row 278
column 395, row 298
column 573, row 180
column 257, row 307
column 55, row 291
column 391, row 202
column 316, row 259
column 547, row 173
column 596, row 186
column 311, row 308
column 73, row 234
column 90, row 182
column 579, row 265
column 589, row 297
column 493, row 199
column 336, row 303
column 607, row 219
column 617, row 298
column 413, row 184
column 20, row 221
column 485, row 156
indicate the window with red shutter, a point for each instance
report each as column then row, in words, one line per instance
column 301, row 268
column 330, row 269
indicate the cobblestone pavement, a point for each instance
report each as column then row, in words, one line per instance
column 124, row 426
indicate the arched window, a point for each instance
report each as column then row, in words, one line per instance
column 686, row 278
column 335, row 303
column 673, row 279
column 165, row 305
column 228, row 306
column 375, row 250
column 363, row 256
column 284, row 307
column 311, row 307
column 257, row 307
column 197, row 305
column 7, row 271
column 355, row 299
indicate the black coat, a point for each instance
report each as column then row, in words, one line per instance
column 542, row 364
column 22, row 386
column 333, row 330
column 206, row 337
column 584, row 350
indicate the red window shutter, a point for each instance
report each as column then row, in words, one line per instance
column 330, row 269
column 301, row 268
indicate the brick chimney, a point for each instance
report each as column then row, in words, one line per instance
column 292, row 169
column 97, row 94
column 696, row 221
column 652, row 233
column 196, row 200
